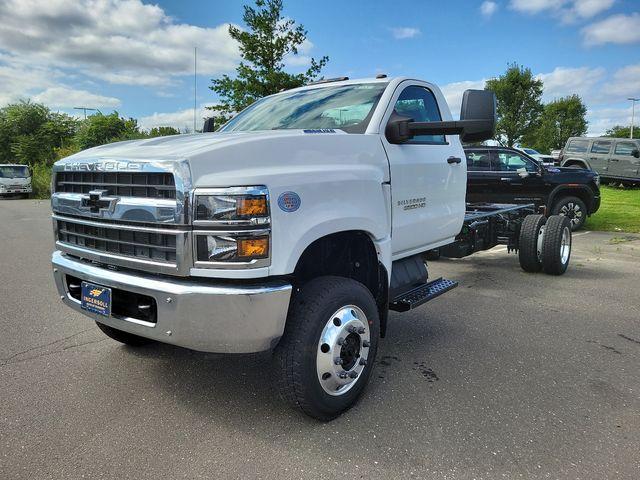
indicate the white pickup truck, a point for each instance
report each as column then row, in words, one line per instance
column 295, row 229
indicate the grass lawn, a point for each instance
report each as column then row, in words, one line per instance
column 619, row 211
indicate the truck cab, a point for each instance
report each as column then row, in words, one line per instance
column 15, row 180
column 291, row 229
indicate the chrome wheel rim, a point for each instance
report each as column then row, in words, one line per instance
column 343, row 349
column 565, row 245
column 573, row 212
column 539, row 243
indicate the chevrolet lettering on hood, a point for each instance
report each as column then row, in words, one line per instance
column 111, row 166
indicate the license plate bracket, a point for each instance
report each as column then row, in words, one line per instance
column 96, row 299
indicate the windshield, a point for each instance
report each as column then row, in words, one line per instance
column 347, row 107
column 14, row 171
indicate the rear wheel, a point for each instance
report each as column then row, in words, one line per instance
column 530, row 243
column 573, row 208
column 123, row 337
column 556, row 245
column 325, row 357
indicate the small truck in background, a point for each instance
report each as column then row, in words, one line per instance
column 15, row 180
column 296, row 228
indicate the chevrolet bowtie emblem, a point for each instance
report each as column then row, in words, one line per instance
column 97, row 200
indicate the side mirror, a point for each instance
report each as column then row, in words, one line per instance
column 636, row 153
column 209, row 125
column 477, row 121
column 478, row 110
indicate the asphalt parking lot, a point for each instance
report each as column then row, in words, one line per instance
column 511, row 375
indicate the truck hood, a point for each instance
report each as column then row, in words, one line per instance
column 250, row 158
column 176, row 147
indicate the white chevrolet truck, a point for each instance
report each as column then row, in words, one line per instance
column 294, row 229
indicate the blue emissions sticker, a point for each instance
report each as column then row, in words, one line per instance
column 289, row 201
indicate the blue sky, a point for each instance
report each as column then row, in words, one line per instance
column 137, row 57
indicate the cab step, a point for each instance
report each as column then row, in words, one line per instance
column 421, row 294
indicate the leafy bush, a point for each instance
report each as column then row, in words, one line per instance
column 41, row 180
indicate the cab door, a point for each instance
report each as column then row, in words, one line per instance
column 520, row 178
column 428, row 174
column 624, row 162
column 599, row 155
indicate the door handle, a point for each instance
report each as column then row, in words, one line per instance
column 614, row 159
column 452, row 160
column 505, row 179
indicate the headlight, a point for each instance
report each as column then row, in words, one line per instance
column 222, row 218
column 241, row 206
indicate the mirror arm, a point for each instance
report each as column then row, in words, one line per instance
column 454, row 127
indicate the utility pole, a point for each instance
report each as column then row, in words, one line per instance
column 633, row 113
column 84, row 109
column 195, row 86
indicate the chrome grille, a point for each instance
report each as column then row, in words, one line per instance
column 113, row 239
column 159, row 185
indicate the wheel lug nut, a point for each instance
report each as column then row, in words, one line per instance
column 353, row 374
column 342, row 375
column 340, row 341
column 352, row 329
column 363, row 361
column 338, row 361
column 366, row 344
column 361, row 330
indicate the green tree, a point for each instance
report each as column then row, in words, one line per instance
column 560, row 119
column 518, row 95
column 99, row 129
column 264, row 46
column 30, row 133
column 621, row 132
column 163, row 131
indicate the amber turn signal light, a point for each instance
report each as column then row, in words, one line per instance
column 255, row 247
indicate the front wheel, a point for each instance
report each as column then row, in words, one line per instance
column 573, row 208
column 325, row 357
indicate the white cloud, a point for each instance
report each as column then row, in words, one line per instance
column 181, row 119
column 65, row 97
column 564, row 81
column 453, row 93
column 123, row 41
column 569, row 11
column 487, row 9
column 402, row 33
column 600, row 120
column 604, row 94
column 618, row 29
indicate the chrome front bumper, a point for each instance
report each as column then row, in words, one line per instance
column 203, row 316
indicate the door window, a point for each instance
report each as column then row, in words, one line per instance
column 512, row 162
column 419, row 104
column 577, row 146
column 478, row 161
column 601, row 147
column 625, row 148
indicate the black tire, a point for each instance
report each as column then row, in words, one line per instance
column 123, row 337
column 296, row 374
column 573, row 208
column 557, row 237
column 528, row 243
